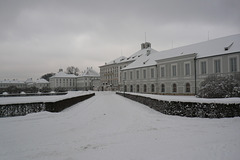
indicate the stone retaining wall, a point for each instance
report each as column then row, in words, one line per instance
column 9, row 110
column 188, row 109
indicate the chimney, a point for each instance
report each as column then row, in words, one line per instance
column 60, row 70
column 142, row 46
column 145, row 45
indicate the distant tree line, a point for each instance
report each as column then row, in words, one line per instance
column 69, row 70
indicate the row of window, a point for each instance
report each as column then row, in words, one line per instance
column 138, row 74
column 187, row 69
column 17, row 85
column 64, row 80
column 174, row 88
column 217, row 66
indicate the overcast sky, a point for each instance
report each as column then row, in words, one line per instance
column 38, row 36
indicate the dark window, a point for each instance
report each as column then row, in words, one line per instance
column 174, row 87
column 187, row 87
column 217, row 66
column 137, row 88
column 137, row 74
column 145, row 88
column 162, row 72
column 233, row 64
column 131, row 75
column 125, row 88
column 144, row 74
column 162, row 88
column 203, row 67
column 153, row 88
column 174, row 70
column 152, row 73
column 187, row 69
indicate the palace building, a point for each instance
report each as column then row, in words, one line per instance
column 175, row 71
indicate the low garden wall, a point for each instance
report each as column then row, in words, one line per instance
column 8, row 110
column 188, row 109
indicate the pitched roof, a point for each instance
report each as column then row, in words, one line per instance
column 89, row 72
column 117, row 60
column 123, row 59
column 146, row 58
column 62, row 74
column 214, row 47
column 219, row 46
column 41, row 80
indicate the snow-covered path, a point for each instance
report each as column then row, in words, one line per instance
column 110, row 127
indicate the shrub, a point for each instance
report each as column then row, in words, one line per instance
column 60, row 89
column 216, row 86
column 46, row 89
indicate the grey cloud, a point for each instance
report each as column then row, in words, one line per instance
column 49, row 34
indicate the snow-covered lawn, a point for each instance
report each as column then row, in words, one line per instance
column 110, row 127
column 34, row 99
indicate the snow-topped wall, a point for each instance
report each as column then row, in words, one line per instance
column 21, row 109
column 188, row 109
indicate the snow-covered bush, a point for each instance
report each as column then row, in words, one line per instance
column 22, row 92
column 216, row 86
column 60, row 89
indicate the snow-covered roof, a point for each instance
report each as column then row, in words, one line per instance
column 117, row 60
column 41, row 80
column 136, row 55
column 133, row 57
column 219, row 46
column 145, row 58
column 89, row 72
column 62, row 74
column 29, row 80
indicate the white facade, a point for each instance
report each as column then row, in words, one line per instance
column 88, row 80
column 181, row 70
column 63, row 80
column 41, row 83
column 110, row 73
column 7, row 83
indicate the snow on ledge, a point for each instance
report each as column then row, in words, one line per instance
column 36, row 99
column 177, row 98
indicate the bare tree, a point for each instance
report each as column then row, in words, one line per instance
column 47, row 76
column 72, row 70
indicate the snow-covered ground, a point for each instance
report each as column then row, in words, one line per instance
column 183, row 98
column 34, row 99
column 110, row 127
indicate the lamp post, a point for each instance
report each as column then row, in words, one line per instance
column 124, row 88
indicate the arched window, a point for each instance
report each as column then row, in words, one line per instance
column 187, row 87
column 145, row 88
column 137, row 88
column 174, row 87
column 131, row 88
column 153, row 88
column 163, row 88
